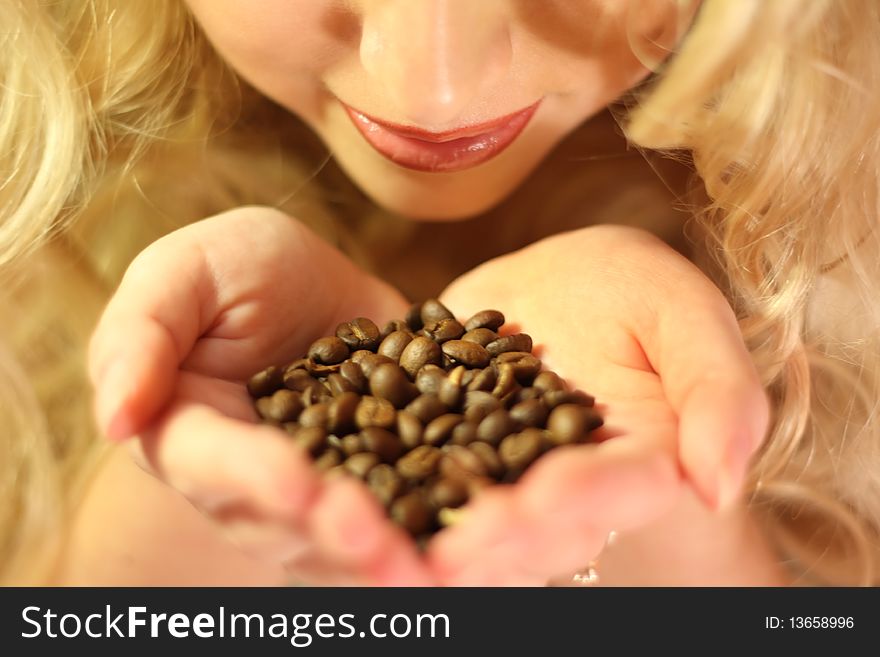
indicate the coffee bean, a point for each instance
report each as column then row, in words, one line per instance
column 266, row 382
column 467, row 353
column 525, row 366
column 450, row 393
column 495, row 426
column 341, row 413
column 359, row 333
column 418, row 353
column 519, row 450
column 547, row 381
column 427, row 407
column 489, row 457
column 352, row 444
column 515, row 342
column 525, row 394
column 419, row 463
column 392, row 326
column 374, row 412
column 485, row 319
column 482, row 336
column 409, row 429
column 393, row 345
column 460, row 462
column 283, row 406
column 360, row 464
column 484, row 379
column 433, row 311
column 337, row 384
column 412, row 513
column 447, row 492
column 300, row 380
column 506, row 384
column 570, row 423
column 311, row 439
column 330, row 458
column 429, row 379
column 464, row 433
column 381, row 442
column 328, row 351
column 318, row 370
column 316, row 415
column 444, row 330
column 389, row 381
column 353, row 373
column 531, row 412
column 439, row 429
column 478, row 404
column 413, row 317
column 554, row 398
column 315, row 394
column 385, row 482
column 291, row 427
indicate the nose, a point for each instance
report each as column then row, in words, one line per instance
column 431, row 58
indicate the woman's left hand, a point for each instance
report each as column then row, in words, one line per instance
column 624, row 317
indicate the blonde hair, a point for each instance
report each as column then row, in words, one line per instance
column 772, row 102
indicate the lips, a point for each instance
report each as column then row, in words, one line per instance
column 441, row 152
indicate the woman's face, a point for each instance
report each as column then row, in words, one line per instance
column 437, row 109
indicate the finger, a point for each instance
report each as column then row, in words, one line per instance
column 350, row 527
column 711, row 383
column 215, row 460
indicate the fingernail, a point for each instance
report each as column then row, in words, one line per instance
column 733, row 468
column 113, row 392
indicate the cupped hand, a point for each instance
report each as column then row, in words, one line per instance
column 622, row 316
column 196, row 314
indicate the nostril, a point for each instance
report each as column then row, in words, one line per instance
column 341, row 25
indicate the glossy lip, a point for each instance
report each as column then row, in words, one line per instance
column 441, row 152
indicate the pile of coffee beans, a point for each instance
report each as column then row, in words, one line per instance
column 426, row 411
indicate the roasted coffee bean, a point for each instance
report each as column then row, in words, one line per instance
column 525, row 394
column 369, row 363
column 311, row 439
column 301, row 381
column 359, row 333
column 412, row 513
column 316, row 415
column 341, row 413
column 328, row 351
column 444, row 330
column 374, row 412
column 389, row 381
column 478, row 404
column 489, row 457
column 418, row 353
column 283, row 406
column 467, row 353
column 554, row 398
column 318, row 371
column 495, row 426
column 468, row 377
column 409, row 429
column 352, row 444
column 570, row 423
column 353, row 373
column 461, row 462
column 361, row 463
column 525, row 366
column 531, row 412
column 266, row 382
column 392, row 326
column 515, row 342
column 419, row 463
column 429, row 379
column 447, row 493
column 385, row 482
column 426, row 407
column 330, row 458
column 440, row 429
column 413, row 317
column 519, row 450
column 506, row 385
column 433, row 311
column 547, row 381
column 464, row 433
column 383, row 443
column 315, row 394
column 394, row 344
column 482, row 336
column 337, row 384
column 450, row 393
column 291, row 427
column 485, row 319
column 484, row 379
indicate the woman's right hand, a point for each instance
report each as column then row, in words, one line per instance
column 197, row 313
